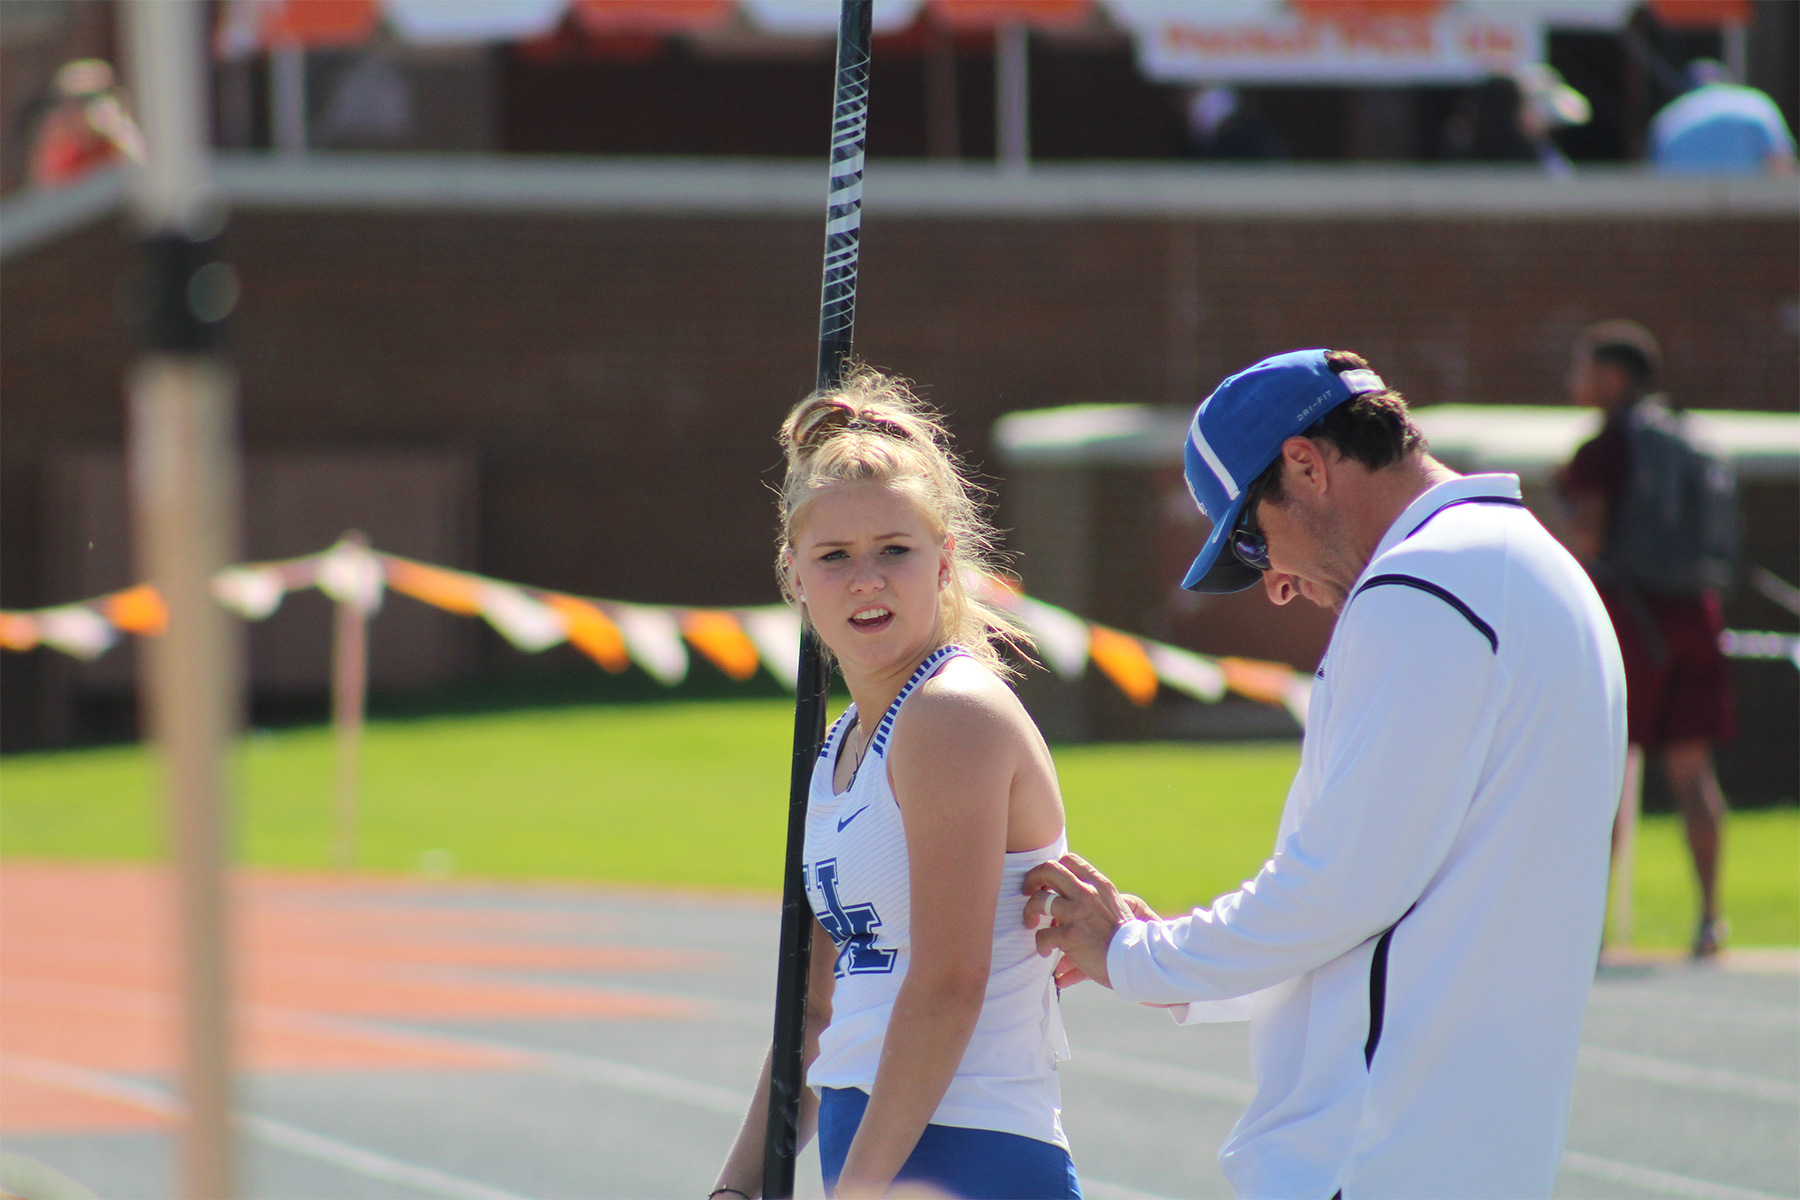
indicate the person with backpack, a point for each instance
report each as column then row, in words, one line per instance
column 1652, row 513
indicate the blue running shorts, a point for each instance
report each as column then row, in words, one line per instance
column 971, row 1164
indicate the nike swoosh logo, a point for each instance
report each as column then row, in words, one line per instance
column 859, row 812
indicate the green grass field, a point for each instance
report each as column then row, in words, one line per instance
column 692, row 794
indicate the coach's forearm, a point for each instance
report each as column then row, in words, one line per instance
column 933, row 1019
column 1398, row 762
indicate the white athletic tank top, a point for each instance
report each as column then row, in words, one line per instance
column 857, row 882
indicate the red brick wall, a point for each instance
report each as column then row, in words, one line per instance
column 619, row 379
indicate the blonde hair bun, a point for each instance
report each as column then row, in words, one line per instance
column 873, row 428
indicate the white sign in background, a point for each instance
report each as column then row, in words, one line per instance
column 1269, row 42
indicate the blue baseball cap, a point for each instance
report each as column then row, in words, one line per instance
column 1238, row 431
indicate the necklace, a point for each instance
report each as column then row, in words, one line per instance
column 860, row 752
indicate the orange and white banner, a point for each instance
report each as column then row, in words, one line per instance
column 657, row 638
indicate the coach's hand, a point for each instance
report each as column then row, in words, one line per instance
column 1085, row 910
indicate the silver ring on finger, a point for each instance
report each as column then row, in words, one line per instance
column 1050, row 905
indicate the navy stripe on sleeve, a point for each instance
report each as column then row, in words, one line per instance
column 1425, row 585
column 1378, row 972
column 1506, row 500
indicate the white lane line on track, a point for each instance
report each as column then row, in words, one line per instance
column 625, row 1076
column 708, row 1008
column 649, row 1082
column 1163, row 1075
column 367, row 1163
column 88, row 1082
column 1130, row 1070
column 1705, row 1008
column 641, row 1080
column 1218, row 1087
column 279, row 1134
column 1665, row 1183
column 712, row 1008
column 1707, row 1079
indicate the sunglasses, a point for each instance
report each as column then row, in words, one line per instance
column 1247, row 543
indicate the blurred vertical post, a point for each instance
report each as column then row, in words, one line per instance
column 1012, row 98
column 942, row 121
column 349, row 706
column 184, row 468
column 1734, row 48
column 287, row 97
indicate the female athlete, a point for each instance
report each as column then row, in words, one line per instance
column 933, row 1031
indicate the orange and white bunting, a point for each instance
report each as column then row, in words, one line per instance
column 530, row 625
column 718, row 636
column 253, row 592
column 138, row 610
column 19, row 631
column 656, row 638
column 351, row 573
column 1062, row 638
column 452, row 591
column 1297, row 697
column 776, row 632
column 653, row 637
column 591, row 631
column 77, row 631
column 1123, row 660
column 1192, row 674
column 1265, row 681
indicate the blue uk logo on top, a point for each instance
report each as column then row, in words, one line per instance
column 852, row 927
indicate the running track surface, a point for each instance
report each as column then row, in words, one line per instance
column 401, row 1038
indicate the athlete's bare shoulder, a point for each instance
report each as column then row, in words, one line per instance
column 967, row 690
column 963, row 709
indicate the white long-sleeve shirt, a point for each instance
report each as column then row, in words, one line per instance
column 1418, row 952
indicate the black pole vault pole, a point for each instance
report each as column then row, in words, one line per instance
column 837, row 323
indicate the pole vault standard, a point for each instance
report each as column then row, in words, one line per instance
column 837, row 322
column 349, row 704
column 184, row 472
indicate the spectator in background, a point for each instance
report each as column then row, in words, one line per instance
column 371, row 104
column 1221, row 125
column 1720, row 128
column 1513, row 118
column 1678, row 685
column 1547, row 104
column 86, row 126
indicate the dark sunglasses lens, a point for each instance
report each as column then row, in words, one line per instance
column 1250, row 550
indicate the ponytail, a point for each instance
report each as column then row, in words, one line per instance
column 872, row 428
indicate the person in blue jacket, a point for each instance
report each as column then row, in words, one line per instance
column 1720, row 128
